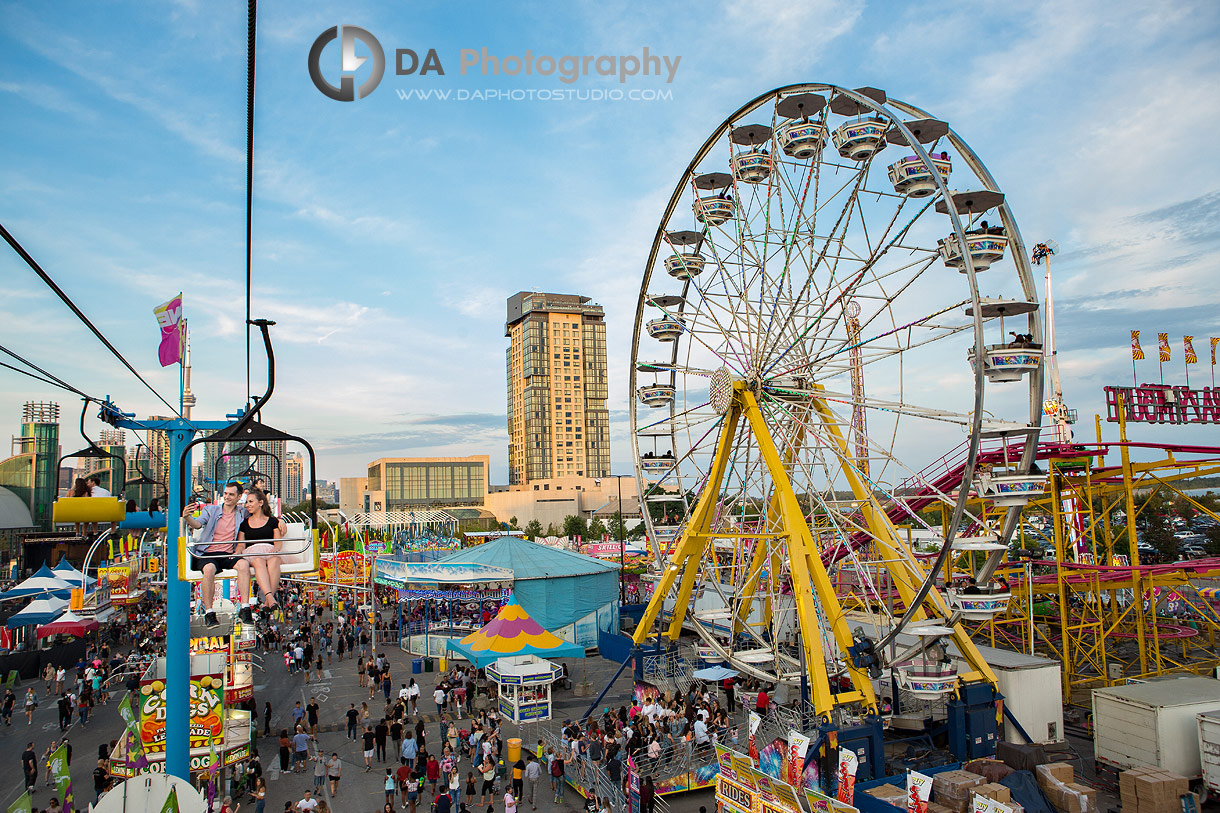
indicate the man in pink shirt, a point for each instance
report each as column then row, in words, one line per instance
column 218, row 549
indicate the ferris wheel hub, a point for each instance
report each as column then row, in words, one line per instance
column 721, row 390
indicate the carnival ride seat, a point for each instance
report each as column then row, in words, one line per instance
column 142, row 521
column 979, row 604
column 72, row 510
column 927, row 681
column 298, row 554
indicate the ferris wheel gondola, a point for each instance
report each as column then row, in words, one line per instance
column 827, row 346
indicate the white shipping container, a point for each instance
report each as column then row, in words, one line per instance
column 1153, row 723
column 1033, row 694
column 1209, row 748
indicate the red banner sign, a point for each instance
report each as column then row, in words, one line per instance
column 1158, row 403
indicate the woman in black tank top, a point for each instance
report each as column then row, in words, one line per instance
column 266, row 531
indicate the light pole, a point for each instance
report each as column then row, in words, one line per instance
column 622, row 593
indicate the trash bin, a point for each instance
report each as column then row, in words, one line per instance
column 443, row 665
column 514, row 749
column 428, row 667
column 417, row 666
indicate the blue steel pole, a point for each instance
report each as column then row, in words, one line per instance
column 177, row 618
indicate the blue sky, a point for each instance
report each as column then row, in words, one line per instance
column 388, row 232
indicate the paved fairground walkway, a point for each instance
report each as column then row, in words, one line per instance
column 359, row 791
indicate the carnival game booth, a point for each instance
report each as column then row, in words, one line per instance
column 513, row 648
column 572, row 595
column 452, row 597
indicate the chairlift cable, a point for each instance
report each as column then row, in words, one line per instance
column 53, row 379
column 33, row 376
column 33, row 264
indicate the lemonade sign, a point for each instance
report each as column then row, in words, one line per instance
column 207, row 711
column 152, row 716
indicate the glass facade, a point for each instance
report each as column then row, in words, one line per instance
column 420, row 483
column 556, row 388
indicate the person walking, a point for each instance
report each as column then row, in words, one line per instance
column 334, row 772
column 648, row 795
column 6, row 709
column 533, row 772
column 353, row 718
column 300, row 747
column 379, row 737
column 285, row 750
column 311, row 714
column 260, row 795
column 487, row 792
column 391, row 788
column 29, row 766
column 369, row 738
column 519, row 779
column 409, row 749
column 319, row 774
column 31, row 703
column 558, row 777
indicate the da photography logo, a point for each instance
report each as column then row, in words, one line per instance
column 346, row 91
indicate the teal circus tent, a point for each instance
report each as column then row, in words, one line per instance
column 557, row 587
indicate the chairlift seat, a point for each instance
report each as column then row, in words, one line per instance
column 298, row 553
column 88, row 509
column 142, row 521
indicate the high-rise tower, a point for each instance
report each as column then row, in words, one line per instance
column 558, row 425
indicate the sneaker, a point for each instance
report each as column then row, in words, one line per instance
column 210, row 619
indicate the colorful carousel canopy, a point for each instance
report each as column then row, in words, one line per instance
column 39, row 611
column 513, row 632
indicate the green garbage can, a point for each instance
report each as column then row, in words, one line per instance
column 428, row 667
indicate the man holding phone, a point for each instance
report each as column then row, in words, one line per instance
column 218, row 548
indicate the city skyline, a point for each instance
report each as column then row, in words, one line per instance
column 387, row 263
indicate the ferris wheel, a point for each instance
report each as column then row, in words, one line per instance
column 837, row 294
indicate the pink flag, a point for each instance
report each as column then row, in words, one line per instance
column 169, row 317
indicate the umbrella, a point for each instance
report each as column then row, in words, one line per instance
column 39, row 611
column 67, row 624
column 714, row 673
column 41, row 583
column 68, row 573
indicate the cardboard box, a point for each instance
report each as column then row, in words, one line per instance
column 994, row 791
column 888, row 793
column 933, row 807
column 1062, row 771
column 1081, row 798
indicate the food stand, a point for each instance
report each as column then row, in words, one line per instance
column 524, row 687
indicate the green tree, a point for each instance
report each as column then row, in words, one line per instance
column 637, row 532
column 574, row 525
column 1157, row 531
column 597, row 528
column 551, row 530
column 615, row 527
column 512, row 524
column 1213, row 540
column 533, row 529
